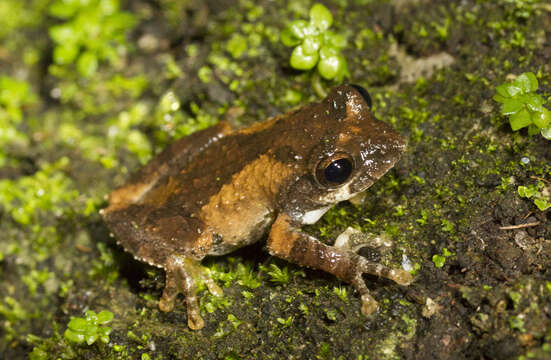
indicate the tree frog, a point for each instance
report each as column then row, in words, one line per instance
column 220, row 189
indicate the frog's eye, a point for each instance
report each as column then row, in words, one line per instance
column 334, row 170
column 363, row 92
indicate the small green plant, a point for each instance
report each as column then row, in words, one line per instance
column 277, row 274
column 47, row 190
column 285, row 322
column 94, row 31
column 15, row 95
column 316, row 45
column 341, row 292
column 524, row 106
column 440, row 260
column 538, row 192
column 89, row 328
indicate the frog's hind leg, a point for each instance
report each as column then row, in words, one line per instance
column 181, row 274
column 164, row 238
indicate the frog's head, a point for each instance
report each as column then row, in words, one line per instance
column 352, row 148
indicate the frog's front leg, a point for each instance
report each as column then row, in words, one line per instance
column 287, row 242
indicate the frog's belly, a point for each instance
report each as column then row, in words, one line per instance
column 234, row 236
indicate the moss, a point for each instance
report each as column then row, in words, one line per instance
column 454, row 188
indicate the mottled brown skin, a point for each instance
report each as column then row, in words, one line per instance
column 217, row 190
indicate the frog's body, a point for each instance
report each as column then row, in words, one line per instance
column 218, row 190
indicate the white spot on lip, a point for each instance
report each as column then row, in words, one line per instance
column 341, row 194
column 312, row 216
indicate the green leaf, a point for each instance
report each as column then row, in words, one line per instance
column 87, row 64
column 62, row 34
column 310, row 45
column 512, row 89
column 288, row 38
column 533, row 101
column 91, row 338
column 500, row 98
column 299, row 28
column 65, row 54
column 73, row 336
column 438, row 260
column 301, row 61
column 329, row 67
column 527, row 82
column 546, row 133
column 502, row 90
column 91, row 316
column 104, row 317
column 104, row 331
column 321, row 17
column 542, row 204
column 104, row 339
column 526, row 191
column 520, row 119
column 237, row 45
column 78, row 324
column 327, row 52
column 541, row 119
column 511, row 106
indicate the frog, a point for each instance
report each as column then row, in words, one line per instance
column 223, row 188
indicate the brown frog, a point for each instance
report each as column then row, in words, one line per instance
column 218, row 190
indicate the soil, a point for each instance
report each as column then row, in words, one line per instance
column 481, row 254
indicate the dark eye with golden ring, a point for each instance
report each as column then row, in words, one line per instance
column 334, row 170
column 363, row 92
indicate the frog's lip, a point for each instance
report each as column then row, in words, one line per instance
column 365, row 180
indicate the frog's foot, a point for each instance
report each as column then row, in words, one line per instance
column 353, row 240
column 363, row 266
column 181, row 273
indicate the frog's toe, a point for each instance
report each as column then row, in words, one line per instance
column 180, row 279
column 353, row 240
column 402, row 277
column 399, row 276
column 166, row 303
column 194, row 319
column 213, row 287
column 369, row 304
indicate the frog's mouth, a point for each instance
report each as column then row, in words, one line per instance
column 345, row 192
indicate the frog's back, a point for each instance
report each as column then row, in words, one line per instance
column 257, row 158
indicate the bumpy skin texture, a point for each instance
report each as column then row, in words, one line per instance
column 218, row 190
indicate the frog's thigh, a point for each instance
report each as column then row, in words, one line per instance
column 154, row 234
column 174, row 242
